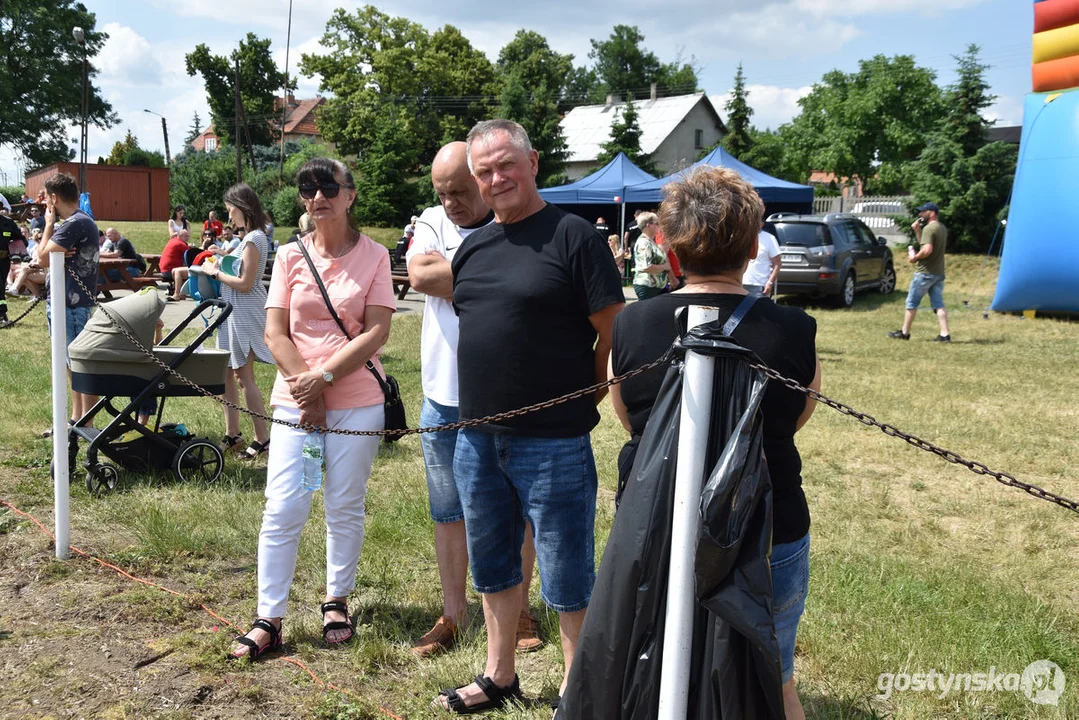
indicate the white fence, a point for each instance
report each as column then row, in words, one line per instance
column 876, row 211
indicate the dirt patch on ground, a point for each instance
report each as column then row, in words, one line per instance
column 78, row 640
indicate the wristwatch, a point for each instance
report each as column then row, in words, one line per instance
column 327, row 376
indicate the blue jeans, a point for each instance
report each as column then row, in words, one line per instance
column 75, row 320
column 790, row 586
column 504, row 479
column 114, row 273
column 438, row 449
column 920, row 285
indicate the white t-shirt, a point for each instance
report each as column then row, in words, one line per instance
column 760, row 267
column 438, row 339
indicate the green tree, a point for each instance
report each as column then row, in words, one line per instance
column 738, row 139
column 851, row 123
column 260, row 81
column 384, row 195
column 623, row 65
column 966, row 100
column 194, row 131
column 970, row 180
column 582, row 88
column 626, row 138
column 128, row 152
column 436, row 86
column 768, row 152
column 41, row 77
column 533, row 78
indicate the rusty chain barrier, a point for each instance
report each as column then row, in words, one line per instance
column 33, row 304
column 974, row 466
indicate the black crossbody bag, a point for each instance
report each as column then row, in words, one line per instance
column 394, row 407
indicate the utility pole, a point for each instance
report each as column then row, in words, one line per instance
column 247, row 134
column 165, row 132
column 80, row 38
column 236, row 133
column 284, row 95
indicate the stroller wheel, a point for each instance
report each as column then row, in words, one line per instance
column 101, row 479
column 199, row 460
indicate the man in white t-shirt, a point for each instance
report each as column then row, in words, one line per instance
column 760, row 276
column 439, row 231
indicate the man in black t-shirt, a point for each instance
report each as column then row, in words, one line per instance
column 537, row 292
column 122, row 249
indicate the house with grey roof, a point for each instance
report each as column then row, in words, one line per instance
column 675, row 131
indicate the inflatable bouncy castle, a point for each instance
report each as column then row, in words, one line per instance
column 1039, row 268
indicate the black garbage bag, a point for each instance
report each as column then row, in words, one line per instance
column 735, row 657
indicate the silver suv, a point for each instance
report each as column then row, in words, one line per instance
column 834, row 255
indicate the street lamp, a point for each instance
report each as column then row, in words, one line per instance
column 165, row 132
column 80, row 38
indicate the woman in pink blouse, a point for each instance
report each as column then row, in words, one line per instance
column 322, row 380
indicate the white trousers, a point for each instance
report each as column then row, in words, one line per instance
column 348, row 463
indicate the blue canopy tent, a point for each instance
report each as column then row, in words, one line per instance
column 601, row 187
column 777, row 194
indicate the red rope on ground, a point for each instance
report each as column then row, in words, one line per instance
column 211, row 613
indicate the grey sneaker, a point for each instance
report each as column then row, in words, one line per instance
column 942, row 338
column 899, row 335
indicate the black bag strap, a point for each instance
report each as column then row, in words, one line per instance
column 333, row 313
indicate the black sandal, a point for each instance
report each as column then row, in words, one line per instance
column 254, row 652
column 253, row 450
column 342, row 607
column 496, row 696
column 231, row 441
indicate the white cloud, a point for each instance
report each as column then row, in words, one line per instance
column 772, row 106
column 128, row 59
column 1007, row 110
column 845, row 8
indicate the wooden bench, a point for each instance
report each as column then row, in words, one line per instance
column 126, row 282
column 399, row 276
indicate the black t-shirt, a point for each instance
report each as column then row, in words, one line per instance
column 634, row 233
column 9, row 232
column 783, row 337
column 603, row 229
column 126, row 249
column 524, row 292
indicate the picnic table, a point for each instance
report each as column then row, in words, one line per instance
column 399, row 276
column 127, row 281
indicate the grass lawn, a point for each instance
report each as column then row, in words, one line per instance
column 917, row 564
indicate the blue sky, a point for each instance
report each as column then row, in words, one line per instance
column 785, row 45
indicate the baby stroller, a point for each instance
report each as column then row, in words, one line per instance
column 104, row 362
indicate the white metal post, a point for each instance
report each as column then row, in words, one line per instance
column 692, row 445
column 60, row 489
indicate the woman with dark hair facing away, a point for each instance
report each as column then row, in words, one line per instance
column 322, row 380
column 243, row 333
column 711, row 219
column 177, row 222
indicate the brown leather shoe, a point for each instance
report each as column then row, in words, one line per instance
column 528, row 639
column 443, row 636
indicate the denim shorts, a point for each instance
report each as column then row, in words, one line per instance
column 75, row 320
column 503, row 479
column 438, row 450
column 920, row 285
column 790, row 586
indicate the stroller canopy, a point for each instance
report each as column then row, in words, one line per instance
column 102, row 340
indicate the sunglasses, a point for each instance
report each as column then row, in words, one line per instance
column 329, row 190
